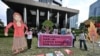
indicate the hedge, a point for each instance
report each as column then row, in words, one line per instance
column 9, row 35
column 2, row 32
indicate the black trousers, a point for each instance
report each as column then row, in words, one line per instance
column 29, row 43
column 74, row 42
column 84, row 42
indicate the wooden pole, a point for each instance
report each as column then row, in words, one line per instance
column 93, row 45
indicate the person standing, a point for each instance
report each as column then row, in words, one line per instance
column 29, row 38
column 74, row 39
column 55, row 31
column 19, row 41
column 83, row 40
column 70, row 33
column 63, row 31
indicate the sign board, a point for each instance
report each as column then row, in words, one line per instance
column 54, row 40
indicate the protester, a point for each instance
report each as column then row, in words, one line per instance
column 70, row 33
column 63, row 31
column 40, row 32
column 55, row 31
column 83, row 40
column 74, row 39
column 29, row 38
column 19, row 41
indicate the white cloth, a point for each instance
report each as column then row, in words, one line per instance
column 40, row 33
column 55, row 31
column 29, row 35
column 82, row 36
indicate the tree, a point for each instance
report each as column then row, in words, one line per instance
column 92, row 17
column 82, row 25
column 95, row 18
column 98, row 19
column 1, row 23
column 47, row 25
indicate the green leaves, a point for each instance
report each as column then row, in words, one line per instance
column 47, row 23
column 95, row 18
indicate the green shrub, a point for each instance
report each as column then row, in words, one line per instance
column 77, row 31
column 47, row 24
column 2, row 32
column 9, row 35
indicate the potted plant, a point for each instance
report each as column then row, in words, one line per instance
column 47, row 25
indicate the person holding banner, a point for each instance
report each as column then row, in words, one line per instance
column 63, row 31
column 55, row 31
column 83, row 40
column 74, row 38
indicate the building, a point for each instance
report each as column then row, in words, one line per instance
column 74, row 21
column 36, row 11
column 94, row 10
column 52, row 2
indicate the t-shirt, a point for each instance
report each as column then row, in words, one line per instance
column 29, row 35
column 82, row 36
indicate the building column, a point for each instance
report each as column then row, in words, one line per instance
column 37, row 18
column 57, row 19
column 25, row 15
column 48, row 17
column 66, row 20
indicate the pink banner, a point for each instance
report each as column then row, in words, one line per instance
column 51, row 40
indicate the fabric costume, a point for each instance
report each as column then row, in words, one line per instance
column 19, row 40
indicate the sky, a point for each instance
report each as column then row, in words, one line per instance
column 81, row 5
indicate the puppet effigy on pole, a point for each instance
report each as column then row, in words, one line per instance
column 19, row 41
column 92, row 33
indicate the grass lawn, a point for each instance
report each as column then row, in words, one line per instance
column 6, row 44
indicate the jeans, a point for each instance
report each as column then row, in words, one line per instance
column 84, row 42
column 29, row 42
column 74, row 42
